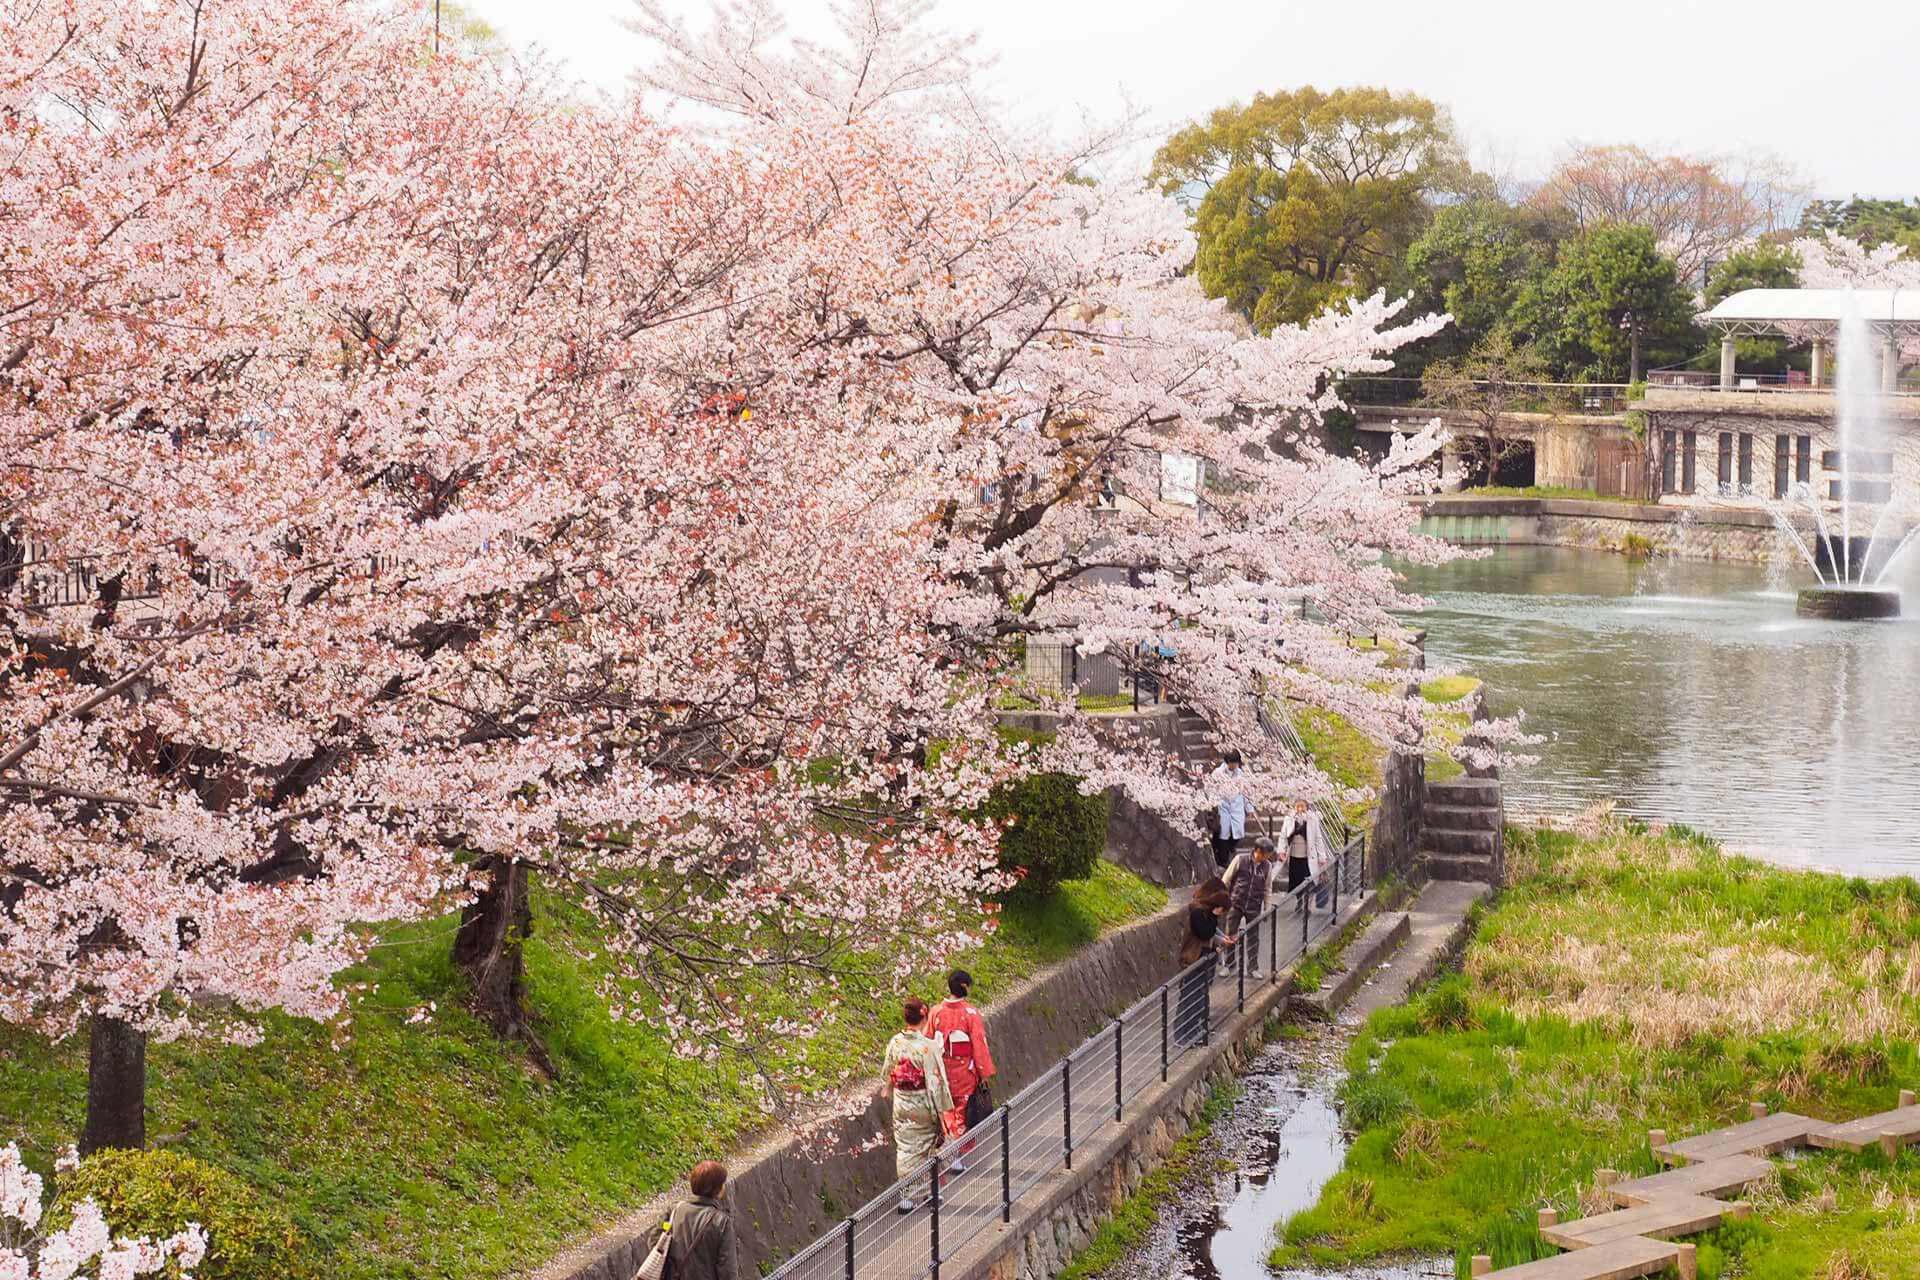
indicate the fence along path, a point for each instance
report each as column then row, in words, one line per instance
column 972, row 1187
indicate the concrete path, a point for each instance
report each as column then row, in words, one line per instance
column 1437, row 928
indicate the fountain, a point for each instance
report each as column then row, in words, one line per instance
column 1851, row 581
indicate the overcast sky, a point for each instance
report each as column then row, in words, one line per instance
column 1833, row 86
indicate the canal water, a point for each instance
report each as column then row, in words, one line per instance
column 1685, row 691
column 1266, row 1159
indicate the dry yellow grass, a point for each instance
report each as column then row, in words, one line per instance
column 1665, row 969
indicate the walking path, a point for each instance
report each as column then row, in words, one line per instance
column 1637, row 1238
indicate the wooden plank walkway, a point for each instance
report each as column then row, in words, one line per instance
column 1712, row 1178
column 1663, row 1219
column 1635, row 1240
column 1620, row 1260
column 1760, row 1137
column 1889, row 1129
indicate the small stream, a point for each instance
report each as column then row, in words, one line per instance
column 1266, row 1159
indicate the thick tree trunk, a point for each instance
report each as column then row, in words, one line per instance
column 489, row 948
column 116, row 1086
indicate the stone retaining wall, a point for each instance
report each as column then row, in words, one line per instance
column 784, row 1197
column 1683, row 532
column 1394, row 847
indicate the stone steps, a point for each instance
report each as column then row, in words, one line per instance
column 1463, row 817
column 1481, row 842
column 1467, row 793
column 1478, row 868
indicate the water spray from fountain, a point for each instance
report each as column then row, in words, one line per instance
column 1845, row 589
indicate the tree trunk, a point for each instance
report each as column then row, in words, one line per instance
column 488, row 948
column 116, row 1086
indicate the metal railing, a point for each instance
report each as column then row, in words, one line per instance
column 972, row 1185
column 1385, row 391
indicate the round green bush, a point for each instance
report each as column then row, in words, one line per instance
column 158, row 1192
column 1057, row 833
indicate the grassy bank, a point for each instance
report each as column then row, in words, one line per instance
column 1354, row 761
column 1631, row 980
column 429, row 1149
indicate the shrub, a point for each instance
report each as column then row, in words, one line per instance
column 158, row 1192
column 1371, row 1102
column 1057, row 833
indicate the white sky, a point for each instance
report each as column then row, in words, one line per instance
column 1832, row 85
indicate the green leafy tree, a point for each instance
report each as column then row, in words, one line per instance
column 1473, row 261
column 1611, row 302
column 1871, row 222
column 1303, row 198
column 1758, row 266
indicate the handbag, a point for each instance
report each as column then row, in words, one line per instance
column 979, row 1105
column 656, row 1265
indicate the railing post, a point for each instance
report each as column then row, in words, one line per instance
column 933, row 1175
column 850, row 1229
column 1304, row 918
column 1119, row 1030
column 1006, row 1163
column 1164, row 1046
column 1336, row 890
column 1273, row 944
column 1066, row 1106
column 1240, row 968
column 1206, row 1014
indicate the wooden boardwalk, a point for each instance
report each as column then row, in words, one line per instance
column 1637, row 1238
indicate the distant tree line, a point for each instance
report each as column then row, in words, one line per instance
column 1303, row 198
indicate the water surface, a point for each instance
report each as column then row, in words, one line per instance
column 1689, row 692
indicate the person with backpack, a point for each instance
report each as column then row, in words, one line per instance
column 1248, row 880
column 916, row 1079
column 699, row 1239
column 962, row 1034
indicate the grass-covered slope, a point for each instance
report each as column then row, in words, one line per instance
column 429, row 1149
column 1628, row 981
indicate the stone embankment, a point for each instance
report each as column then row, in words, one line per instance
column 1686, row 533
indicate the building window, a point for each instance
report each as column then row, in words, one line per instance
column 1782, row 465
column 1725, row 474
column 1746, row 462
column 1689, row 455
column 1668, row 440
column 1803, row 460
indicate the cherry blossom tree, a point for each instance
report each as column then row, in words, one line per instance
column 1042, row 328
column 385, row 410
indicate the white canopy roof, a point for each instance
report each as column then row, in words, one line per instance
column 1811, row 311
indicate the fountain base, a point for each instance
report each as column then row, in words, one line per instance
column 1848, row 604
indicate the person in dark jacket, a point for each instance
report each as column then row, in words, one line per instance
column 703, row 1244
column 1203, row 939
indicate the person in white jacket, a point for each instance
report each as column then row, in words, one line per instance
column 1306, row 845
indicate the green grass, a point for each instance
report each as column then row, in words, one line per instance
column 1632, row 980
column 432, row 1150
column 1120, row 1234
column 1446, row 689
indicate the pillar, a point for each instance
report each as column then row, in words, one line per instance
column 1726, row 362
column 1890, row 366
column 1817, row 365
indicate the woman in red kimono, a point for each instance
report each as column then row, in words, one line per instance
column 962, row 1034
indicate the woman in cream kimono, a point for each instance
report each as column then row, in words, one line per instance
column 916, row 1080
